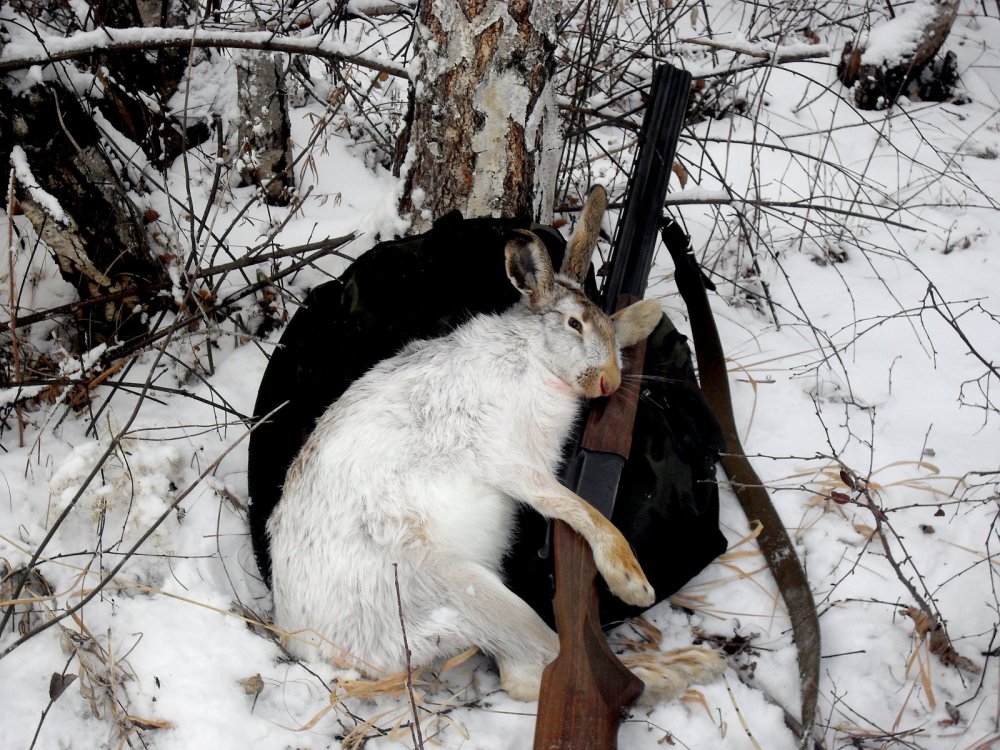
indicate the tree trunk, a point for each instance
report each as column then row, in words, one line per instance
column 898, row 55
column 130, row 81
column 75, row 197
column 264, row 128
column 77, row 204
column 485, row 131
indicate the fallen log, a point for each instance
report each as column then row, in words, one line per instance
column 898, row 57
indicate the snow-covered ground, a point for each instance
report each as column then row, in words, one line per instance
column 852, row 343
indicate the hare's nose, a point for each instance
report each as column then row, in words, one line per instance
column 610, row 380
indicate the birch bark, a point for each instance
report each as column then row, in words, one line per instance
column 484, row 136
column 264, row 127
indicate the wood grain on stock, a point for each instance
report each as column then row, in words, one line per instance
column 594, row 688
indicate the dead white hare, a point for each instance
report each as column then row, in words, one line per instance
column 420, row 463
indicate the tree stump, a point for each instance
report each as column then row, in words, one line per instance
column 898, row 56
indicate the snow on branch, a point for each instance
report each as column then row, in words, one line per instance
column 766, row 50
column 20, row 55
column 19, row 163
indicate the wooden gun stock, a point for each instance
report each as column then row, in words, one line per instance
column 586, row 690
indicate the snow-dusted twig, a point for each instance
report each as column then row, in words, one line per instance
column 774, row 53
column 86, row 43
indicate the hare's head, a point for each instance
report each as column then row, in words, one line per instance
column 582, row 345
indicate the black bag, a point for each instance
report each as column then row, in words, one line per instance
column 426, row 285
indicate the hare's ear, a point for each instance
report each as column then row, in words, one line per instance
column 584, row 240
column 529, row 267
column 636, row 322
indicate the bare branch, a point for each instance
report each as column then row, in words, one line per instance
column 86, row 43
column 774, row 53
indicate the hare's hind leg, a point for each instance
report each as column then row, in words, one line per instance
column 668, row 674
column 500, row 623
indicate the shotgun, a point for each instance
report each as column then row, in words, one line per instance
column 586, row 690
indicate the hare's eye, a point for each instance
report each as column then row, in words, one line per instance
column 575, row 324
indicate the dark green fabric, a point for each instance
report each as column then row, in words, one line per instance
column 424, row 286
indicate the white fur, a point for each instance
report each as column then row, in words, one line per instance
column 418, row 466
column 409, row 467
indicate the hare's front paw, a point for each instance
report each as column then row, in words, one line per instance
column 618, row 566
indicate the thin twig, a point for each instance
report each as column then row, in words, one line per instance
column 57, row 685
column 329, row 246
column 418, row 738
column 15, row 346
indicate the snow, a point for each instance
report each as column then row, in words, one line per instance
column 18, row 393
column 22, row 170
column 864, row 366
column 892, row 41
